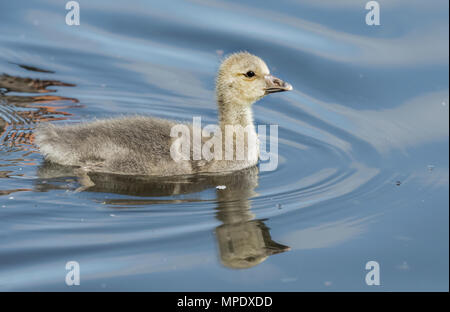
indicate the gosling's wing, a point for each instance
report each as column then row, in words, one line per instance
column 127, row 145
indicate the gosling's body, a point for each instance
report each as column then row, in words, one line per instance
column 128, row 145
column 142, row 145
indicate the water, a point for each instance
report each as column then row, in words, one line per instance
column 363, row 147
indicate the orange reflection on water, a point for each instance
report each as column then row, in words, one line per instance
column 19, row 115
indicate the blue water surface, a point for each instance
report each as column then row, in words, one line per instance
column 363, row 172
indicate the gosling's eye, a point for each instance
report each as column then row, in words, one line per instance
column 250, row 74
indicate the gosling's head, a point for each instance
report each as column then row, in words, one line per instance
column 244, row 78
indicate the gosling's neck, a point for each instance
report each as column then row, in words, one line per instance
column 238, row 114
column 232, row 112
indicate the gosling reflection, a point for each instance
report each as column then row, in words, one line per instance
column 243, row 241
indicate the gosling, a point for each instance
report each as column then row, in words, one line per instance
column 142, row 145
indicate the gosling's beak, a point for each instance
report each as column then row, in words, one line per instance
column 274, row 84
